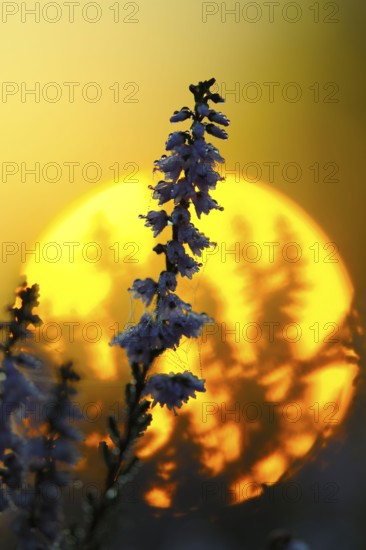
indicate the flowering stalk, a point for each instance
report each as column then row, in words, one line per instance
column 16, row 390
column 40, row 526
column 35, row 433
column 189, row 176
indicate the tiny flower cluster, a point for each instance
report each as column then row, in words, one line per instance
column 174, row 389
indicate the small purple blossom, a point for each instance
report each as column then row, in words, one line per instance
column 208, row 180
column 175, row 139
column 196, row 241
column 198, row 129
column 183, row 190
column 172, row 389
column 186, row 265
column 144, row 289
column 218, row 117
column 189, row 324
column 180, row 215
column 171, row 304
column 202, row 109
column 141, row 341
column 163, row 191
column 157, row 220
column 167, row 282
column 199, row 146
column 171, row 166
column 213, row 153
column 216, row 131
column 181, row 115
column 203, row 203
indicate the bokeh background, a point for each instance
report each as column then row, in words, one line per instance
column 140, row 57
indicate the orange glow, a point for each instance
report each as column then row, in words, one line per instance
column 81, row 464
column 278, row 382
column 270, row 468
column 220, row 447
column 161, row 427
column 243, row 489
column 93, row 439
column 166, row 469
column 160, row 498
column 331, row 391
column 299, row 445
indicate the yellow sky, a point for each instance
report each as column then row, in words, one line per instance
column 151, row 55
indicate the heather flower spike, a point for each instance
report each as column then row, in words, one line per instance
column 188, row 178
column 36, row 438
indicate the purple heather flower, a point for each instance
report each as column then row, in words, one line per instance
column 184, row 232
column 184, row 151
column 172, row 389
column 144, row 289
column 171, row 166
column 198, row 129
column 199, row 146
column 175, row 139
column 216, row 131
column 167, row 281
column 218, row 117
column 202, row 109
column 176, row 320
column 208, row 180
column 196, row 241
column 213, row 153
column 180, row 215
column 182, row 190
column 181, row 115
column 16, row 387
column 169, row 304
column 203, row 203
column 163, row 191
column 186, row 265
column 157, row 220
column 189, row 324
column 141, row 340
column 202, row 169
